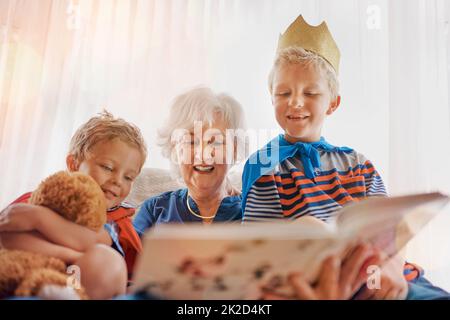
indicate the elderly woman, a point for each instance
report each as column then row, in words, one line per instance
column 200, row 141
column 196, row 138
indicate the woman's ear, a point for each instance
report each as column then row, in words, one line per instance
column 334, row 104
column 71, row 163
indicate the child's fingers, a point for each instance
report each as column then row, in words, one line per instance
column 329, row 278
column 381, row 292
column 365, row 294
column 394, row 265
column 302, row 288
column 15, row 218
column 272, row 296
column 351, row 271
column 402, row 293
column 362, row 276
column 392, row 294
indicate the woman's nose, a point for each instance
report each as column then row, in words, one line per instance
column 208, row 154
column 204, row 153
column 198, row 154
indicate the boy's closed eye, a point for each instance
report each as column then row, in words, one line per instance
column 106, row 167
column 312, row 93
column 110, row 168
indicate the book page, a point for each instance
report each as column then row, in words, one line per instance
column 231, row 261
column 390, row 223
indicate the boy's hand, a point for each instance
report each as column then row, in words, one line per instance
column 18, row 217
column 35, row 242
column 339, row 279
column 393, row 285
column 103, row 237
column 24, row 217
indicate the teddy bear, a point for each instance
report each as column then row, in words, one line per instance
column 76, row 197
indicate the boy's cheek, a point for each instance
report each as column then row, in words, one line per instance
column 112, row 203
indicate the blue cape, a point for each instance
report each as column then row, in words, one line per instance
column 276, row 151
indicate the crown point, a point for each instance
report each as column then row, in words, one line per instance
column 317, row 39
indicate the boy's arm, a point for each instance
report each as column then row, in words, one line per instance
column 34, row 242
column 374, row 183
column 263, row 202
column 26, row 217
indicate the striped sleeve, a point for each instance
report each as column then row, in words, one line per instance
column 263, row 201
column 373, row 181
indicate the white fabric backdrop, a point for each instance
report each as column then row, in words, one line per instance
column 61, row 61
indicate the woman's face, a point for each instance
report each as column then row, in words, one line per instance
column 202, row 156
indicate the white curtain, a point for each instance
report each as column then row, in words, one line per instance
column 62, row 61
column 419, row 117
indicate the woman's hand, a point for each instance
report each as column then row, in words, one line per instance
column 392, row 283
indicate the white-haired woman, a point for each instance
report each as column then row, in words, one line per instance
column 201, row 137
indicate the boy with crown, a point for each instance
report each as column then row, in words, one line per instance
column 300, row 174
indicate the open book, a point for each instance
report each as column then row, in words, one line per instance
column 232, row 261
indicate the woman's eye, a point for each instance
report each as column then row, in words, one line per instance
column 186, row 140
column 106, row 167
column 129, row 178
column 282, row 94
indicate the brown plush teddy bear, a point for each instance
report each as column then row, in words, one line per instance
column 76, row 197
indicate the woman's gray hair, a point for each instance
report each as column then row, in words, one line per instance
column 202, row 104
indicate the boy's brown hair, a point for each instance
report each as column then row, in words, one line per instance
column 104, row 127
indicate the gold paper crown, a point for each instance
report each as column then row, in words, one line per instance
column 316, row 39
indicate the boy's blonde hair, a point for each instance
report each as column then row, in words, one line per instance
column 297, row 55
column 104, row 127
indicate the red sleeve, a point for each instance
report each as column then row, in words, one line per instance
column 23, row 198
column 130, row 242
column 128, row 237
